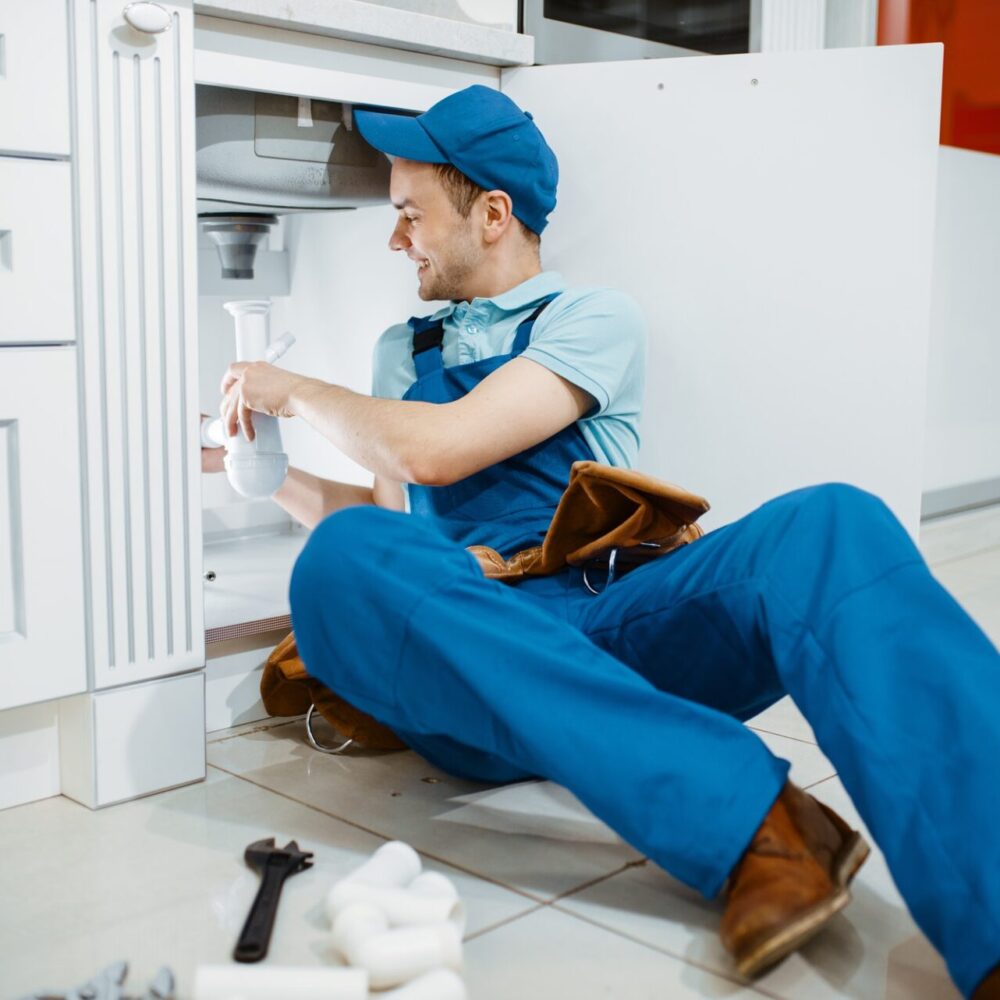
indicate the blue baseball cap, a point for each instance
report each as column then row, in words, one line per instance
column 484, row 134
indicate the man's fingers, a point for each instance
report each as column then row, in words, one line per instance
column 233, row 374
column 246, row 421
column 228, row 416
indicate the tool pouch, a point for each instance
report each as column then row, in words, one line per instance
column 287, row 689
column 603, row 510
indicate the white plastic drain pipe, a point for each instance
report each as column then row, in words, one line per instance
column 429, row 899
column 362, row 935
column 255, row 468
column 393, row 865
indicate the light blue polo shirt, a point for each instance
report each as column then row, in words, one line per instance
column 592, row 337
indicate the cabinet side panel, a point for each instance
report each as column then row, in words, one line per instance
column 134, row 123
column 11, row 542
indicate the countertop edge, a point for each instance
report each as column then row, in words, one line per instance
column 357, row 21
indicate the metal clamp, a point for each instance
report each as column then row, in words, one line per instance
column 611, row 574
column 317, row 745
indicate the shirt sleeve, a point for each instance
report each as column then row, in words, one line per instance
column 389, row 362
column 597, row 341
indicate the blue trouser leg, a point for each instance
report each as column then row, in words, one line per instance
column 900, row 686
column 820, row 592
column 401, row 622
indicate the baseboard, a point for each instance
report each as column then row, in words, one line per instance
column 965, row 496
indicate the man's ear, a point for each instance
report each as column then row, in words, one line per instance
column 498, row 215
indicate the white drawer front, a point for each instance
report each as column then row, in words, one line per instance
column 34, row 77
column 41, row 561
column 36, row 252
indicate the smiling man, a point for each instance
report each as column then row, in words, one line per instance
column 632, row 697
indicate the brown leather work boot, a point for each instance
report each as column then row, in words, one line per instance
column 790, row 881
column 989, row 988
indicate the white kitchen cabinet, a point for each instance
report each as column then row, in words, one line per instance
column 41, row 572
column 36, row 252
column 34, row 78
column 100, row 470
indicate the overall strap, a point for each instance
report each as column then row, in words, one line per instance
column 523, row 336
column 428, row 333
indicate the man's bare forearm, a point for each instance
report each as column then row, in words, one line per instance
column 389, row 437
column 309, row 498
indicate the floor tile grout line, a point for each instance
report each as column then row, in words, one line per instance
column 729, row 977
column 262, row 727
column 382, row 836
column 503, row 923
column 823, row 781
column 771, row 732
column 597, row 881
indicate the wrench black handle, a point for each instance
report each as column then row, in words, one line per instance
column 256, row 933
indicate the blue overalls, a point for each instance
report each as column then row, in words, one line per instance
column 633, row 699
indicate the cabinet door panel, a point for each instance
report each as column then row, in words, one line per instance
column 773, row 215
column 36, row 252
column 41, row 562
column 34, row 77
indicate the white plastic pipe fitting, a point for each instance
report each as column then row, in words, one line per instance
column 265, row 982
column 441, row 984
column 394, row 864
column 255, row 468
column 391, row 957
column 429, row 899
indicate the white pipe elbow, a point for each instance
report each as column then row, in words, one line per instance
column 393, row 864
column 362, row 935
column 429, row 899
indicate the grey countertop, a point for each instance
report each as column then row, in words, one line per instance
column 359, row 21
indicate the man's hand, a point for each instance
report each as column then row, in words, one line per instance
column 256, row 385
column 212, row 458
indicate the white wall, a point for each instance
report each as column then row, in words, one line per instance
column 963, row 401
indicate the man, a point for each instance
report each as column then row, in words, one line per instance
column 480, row 410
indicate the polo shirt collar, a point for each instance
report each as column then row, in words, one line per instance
column 514, row 299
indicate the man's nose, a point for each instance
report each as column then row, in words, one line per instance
column 398, row 240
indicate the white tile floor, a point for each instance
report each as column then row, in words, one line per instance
column 162, row 881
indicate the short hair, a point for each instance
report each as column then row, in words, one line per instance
column 463, row 192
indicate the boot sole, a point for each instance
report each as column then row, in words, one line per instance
column 767, row 952
column 793, row 935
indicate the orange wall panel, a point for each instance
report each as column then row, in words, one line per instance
column 970, row 31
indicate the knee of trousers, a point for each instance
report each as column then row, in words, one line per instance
column 346, row 609
column 366, row 567
column 834, row 536
column 830, row 509
column 345, row 554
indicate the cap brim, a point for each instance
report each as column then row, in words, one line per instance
column 398, row 135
